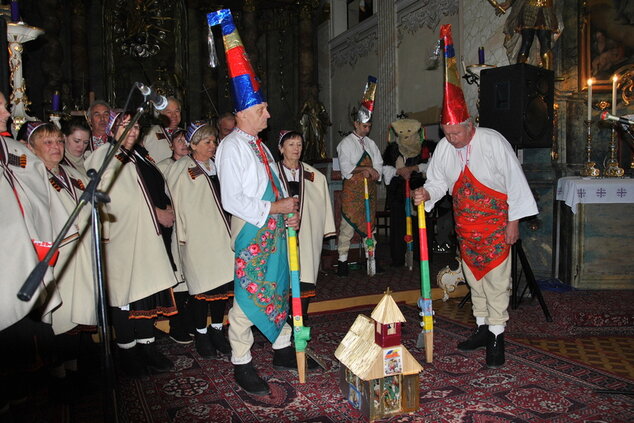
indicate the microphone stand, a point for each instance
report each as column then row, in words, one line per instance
column 93, row 196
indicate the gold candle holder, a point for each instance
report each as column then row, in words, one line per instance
column 590, row 167
column 613, row 170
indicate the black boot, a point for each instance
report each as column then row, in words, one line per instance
column 476, row 341
column 342, row 268
column 131, row 362
column 495, row 350
column 219, row 340
column 286, row 359
column 204, row 348
column 248, row 379
column 155, row 361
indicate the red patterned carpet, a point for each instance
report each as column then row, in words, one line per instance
column 534, row 386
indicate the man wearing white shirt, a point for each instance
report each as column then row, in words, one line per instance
column 359, row 158
column 252, row 193
column 490, row 195
column 480, row 170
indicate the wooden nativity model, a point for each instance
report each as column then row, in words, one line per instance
column 378, row 375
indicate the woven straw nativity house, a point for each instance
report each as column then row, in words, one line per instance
column 378, row 375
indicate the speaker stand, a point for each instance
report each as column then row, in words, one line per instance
column 517, row 252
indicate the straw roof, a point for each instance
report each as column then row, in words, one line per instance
column 359, row 353
column 386, row 311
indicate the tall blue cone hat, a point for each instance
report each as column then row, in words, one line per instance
column 192, row 129
column 246, row 87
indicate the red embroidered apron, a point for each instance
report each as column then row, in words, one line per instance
column 481, row 216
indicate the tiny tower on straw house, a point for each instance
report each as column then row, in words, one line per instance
column 378, row 375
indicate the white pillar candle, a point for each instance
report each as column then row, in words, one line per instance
column 590, row 99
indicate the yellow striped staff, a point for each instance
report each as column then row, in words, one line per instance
column 409, row 238
column 424, row 302
column 369, row 241
column 301, row 333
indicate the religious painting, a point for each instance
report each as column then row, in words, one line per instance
column 606, row 41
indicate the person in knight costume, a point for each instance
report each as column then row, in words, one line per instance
column 490, row 195
column 359, row 158
column 251, row 190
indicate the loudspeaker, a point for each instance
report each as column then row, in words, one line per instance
column 517, row 101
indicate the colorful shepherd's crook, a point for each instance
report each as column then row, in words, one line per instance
column 369, row 241
column 424, row 302
column 409, row 238
column 301, row 333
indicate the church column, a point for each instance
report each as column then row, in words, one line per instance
column 387, row 88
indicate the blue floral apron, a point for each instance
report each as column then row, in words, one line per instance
column 261, row 279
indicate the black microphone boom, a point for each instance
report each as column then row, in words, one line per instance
column 619, row 119
column 159, row 101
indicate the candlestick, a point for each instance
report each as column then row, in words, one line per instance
column 589, row 168
column 589, row 99
column 481, row 56
column 55, row 101
column 15, row 11
column 614, row 79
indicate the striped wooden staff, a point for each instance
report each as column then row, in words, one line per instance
column 409, row 238
column 369, row 241
column 301, row 333
column 424, row 302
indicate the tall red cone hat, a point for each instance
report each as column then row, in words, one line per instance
column 454, row 107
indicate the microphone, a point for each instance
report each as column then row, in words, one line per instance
column 622, row 120
column 159, row 101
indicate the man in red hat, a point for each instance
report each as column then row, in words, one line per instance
column 479, row 168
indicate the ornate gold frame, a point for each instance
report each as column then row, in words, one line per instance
column 585, row 55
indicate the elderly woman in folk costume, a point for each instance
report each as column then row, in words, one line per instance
column 138, row 260
column 73, row 270
column 181, row 327
column 310, row 186
column 77, row 138
column 204, row 236
column 30, row 217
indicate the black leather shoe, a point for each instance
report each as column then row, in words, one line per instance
column 131, row 362
column 179, row 335
column 495, row 351
column 248, row 379
column 154, row 360
column 476, row 341
column 342, row 268
column 204, row 348
column 284, row 359
column 219, row 341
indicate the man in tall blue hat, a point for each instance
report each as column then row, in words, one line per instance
column 252, row 193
